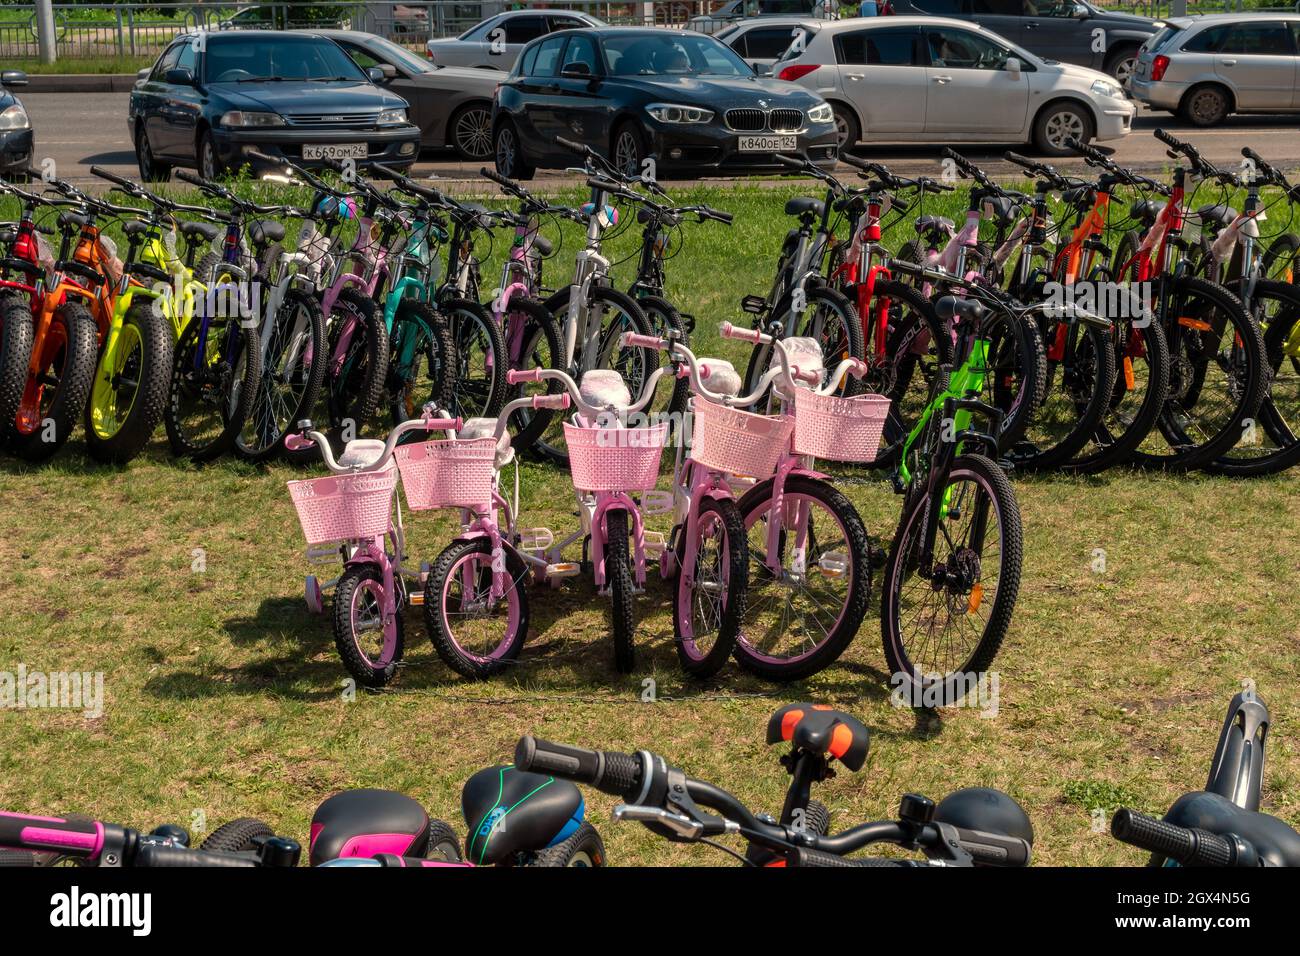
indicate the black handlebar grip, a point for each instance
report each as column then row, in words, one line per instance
column 994, row 849
column 496, row 177
column 186, row 176
column 19, row 831
column 606, row 770
column 906, row 266
column 161, row 855
column 1167, row 138
column 112, row 177
column 571, row 145
column 788, row 161
column 1187, row 846
column 720, row 216
column 806, row 857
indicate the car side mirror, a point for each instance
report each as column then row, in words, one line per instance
column 178, row 77
column 762, row 69
column 576, row 71
column 1013, row 67
column 1082, row 13
column 142, row 75
column 14, row 78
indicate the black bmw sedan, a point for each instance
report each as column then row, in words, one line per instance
column 213, row 97
column 668, row 101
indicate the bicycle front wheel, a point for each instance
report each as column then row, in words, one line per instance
column 943, row 620
column 709, row 594
column 216, row 371
column 293, row 369
column 821, row 314
column 800, row 621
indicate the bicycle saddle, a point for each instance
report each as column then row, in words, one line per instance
column 604, row 387
column 987, row 810
column 365, row 822
column 1219, row 215
column 200, row 230
column 804, row 206
column 1276, row 843
column 543, row 246
column 1145, row 209
column 1002, row 210
column 720, row 376
column 135, row 228
column 67, row 219
column 805, row 352
column 266, row 231
column 361, row 452
column 950, row 306
column 818, row 728
column 509, row 811
column 941, row 223
column 473, row 428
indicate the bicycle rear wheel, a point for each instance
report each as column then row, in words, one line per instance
column 292, row 372
column 422, row 362
column 481, row 390
column 942, row 625
column 215, row 377
column 825, row 315
column 801, row 622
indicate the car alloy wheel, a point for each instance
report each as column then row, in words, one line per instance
column 472, row 134
column 1124, row 68
column 507, row 152
column 627, row 152
column 207, row 159
column 144, row 159
column 1064, row 126
column 1207, row 107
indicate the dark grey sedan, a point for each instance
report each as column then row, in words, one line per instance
column 451, row 105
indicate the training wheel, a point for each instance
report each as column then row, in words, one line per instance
column 315, row 600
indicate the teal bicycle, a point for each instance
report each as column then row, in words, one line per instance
column 953, row 571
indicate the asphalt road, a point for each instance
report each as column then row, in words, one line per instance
column 78, row 130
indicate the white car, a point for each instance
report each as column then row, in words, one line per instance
column 761, row 41
column 937, row 80
column 494, row 43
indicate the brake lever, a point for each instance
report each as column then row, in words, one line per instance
column 680, row 824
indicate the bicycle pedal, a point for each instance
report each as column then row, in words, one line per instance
column 1007, row 465
column 564, row 569
column 833, row 564
column 753, row 304
column 876, row 557
column 688, row 322
column 415, row 599
column 655, row 543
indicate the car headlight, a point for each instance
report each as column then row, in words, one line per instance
column 822, row 113
column 672, row 113
column 392, row 118
column 1106, row 88
column 245, row 119
column 15, row 117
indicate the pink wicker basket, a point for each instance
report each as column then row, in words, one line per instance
column 447, row 473
column 342, row 507
column 615, row 459
column 839, row 429
column 740, row 443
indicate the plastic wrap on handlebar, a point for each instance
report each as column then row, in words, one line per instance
column 607, row 770
column 21, row 831
column 159, row 855
column 806, row 857
column 1189, row 847
column 729, row 331
column 558, row 402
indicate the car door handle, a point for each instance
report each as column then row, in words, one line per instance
column 1031, row 25
column 943, row 79
column 1229, row 62
column 854, row 76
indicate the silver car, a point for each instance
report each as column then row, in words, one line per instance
column 451, row 105
column 937, row 80
column 1207, row 67
column 494, row 44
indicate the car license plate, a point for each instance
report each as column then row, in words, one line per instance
column 767, row 144
column 335, row 151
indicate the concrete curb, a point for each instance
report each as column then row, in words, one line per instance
column 79, row 83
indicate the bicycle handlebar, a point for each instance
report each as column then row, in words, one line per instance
column 1188, row 846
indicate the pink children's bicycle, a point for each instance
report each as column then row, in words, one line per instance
column 612, row 467
column 475, row 605
column 353, row 514
column 706, row 550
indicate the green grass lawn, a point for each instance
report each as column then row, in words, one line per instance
column 224, row 697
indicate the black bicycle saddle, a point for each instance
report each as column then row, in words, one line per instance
column 509, row 811
column 365, row 822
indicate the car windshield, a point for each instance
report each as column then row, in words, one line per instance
column 671, row 55
column 270, row 59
